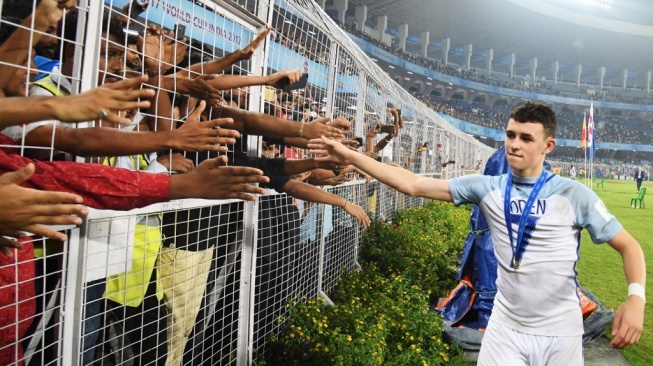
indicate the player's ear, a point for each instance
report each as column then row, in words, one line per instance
column 550, row 145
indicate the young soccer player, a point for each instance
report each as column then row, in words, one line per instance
column 535, row 219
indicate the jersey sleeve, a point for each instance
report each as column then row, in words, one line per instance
column 469, row 189
column 592, row 215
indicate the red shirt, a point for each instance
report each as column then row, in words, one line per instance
column 101, row 187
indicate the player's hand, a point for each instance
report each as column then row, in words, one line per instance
column 628, row 323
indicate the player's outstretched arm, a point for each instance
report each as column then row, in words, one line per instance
column 398, row 178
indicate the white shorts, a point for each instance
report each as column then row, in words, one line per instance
column 503, row 346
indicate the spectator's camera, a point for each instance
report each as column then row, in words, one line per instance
column 387, row 129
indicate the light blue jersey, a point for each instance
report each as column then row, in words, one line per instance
column 540, row 296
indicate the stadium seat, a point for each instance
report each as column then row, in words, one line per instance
column 600, row 183
column 639, row 198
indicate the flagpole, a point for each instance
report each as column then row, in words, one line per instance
column 585, row 148
column 591, row 142
column 583, row 143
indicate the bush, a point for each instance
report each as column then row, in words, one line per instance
column 422, row 244
column 381, row 316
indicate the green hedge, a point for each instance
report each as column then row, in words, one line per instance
column 381, row 314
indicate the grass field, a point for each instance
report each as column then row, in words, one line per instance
column 600, row 268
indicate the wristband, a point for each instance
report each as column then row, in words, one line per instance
column 301, row 130
column 638, row 290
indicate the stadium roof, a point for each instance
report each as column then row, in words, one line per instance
column 617, row 34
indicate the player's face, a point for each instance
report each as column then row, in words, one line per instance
column 526, row 147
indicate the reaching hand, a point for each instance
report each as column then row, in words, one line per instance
column 351, row 144
column 278, row 80
column 194, row 135
column 319, row 128
column 375, row 129
column 66, row 4
column 212, row 179
column 628, row 323
column 176, row 162
column 247, row 52
column 358, row 213
column 330, row 150
column 26, row 210
column 372, row 154
column 342, row 124
column 397, row 120
column 110, row 98
column 49, row 12
column 201, row 88
column 130, row 11
column 161, row 49
column 334, row 181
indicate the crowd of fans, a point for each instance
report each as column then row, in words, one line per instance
column 569, row 123
column 483, row 115
column 169, row 123
column 478, row 113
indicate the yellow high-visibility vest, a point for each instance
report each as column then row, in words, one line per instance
column 129, row 288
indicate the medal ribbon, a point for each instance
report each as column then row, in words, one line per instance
column 520, row 246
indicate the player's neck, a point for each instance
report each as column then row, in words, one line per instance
column 528, row 173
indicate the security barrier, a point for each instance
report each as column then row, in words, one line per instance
column 200, row 282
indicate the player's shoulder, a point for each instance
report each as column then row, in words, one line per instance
column 572, row 189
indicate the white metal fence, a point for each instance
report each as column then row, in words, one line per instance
column 197, row 282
